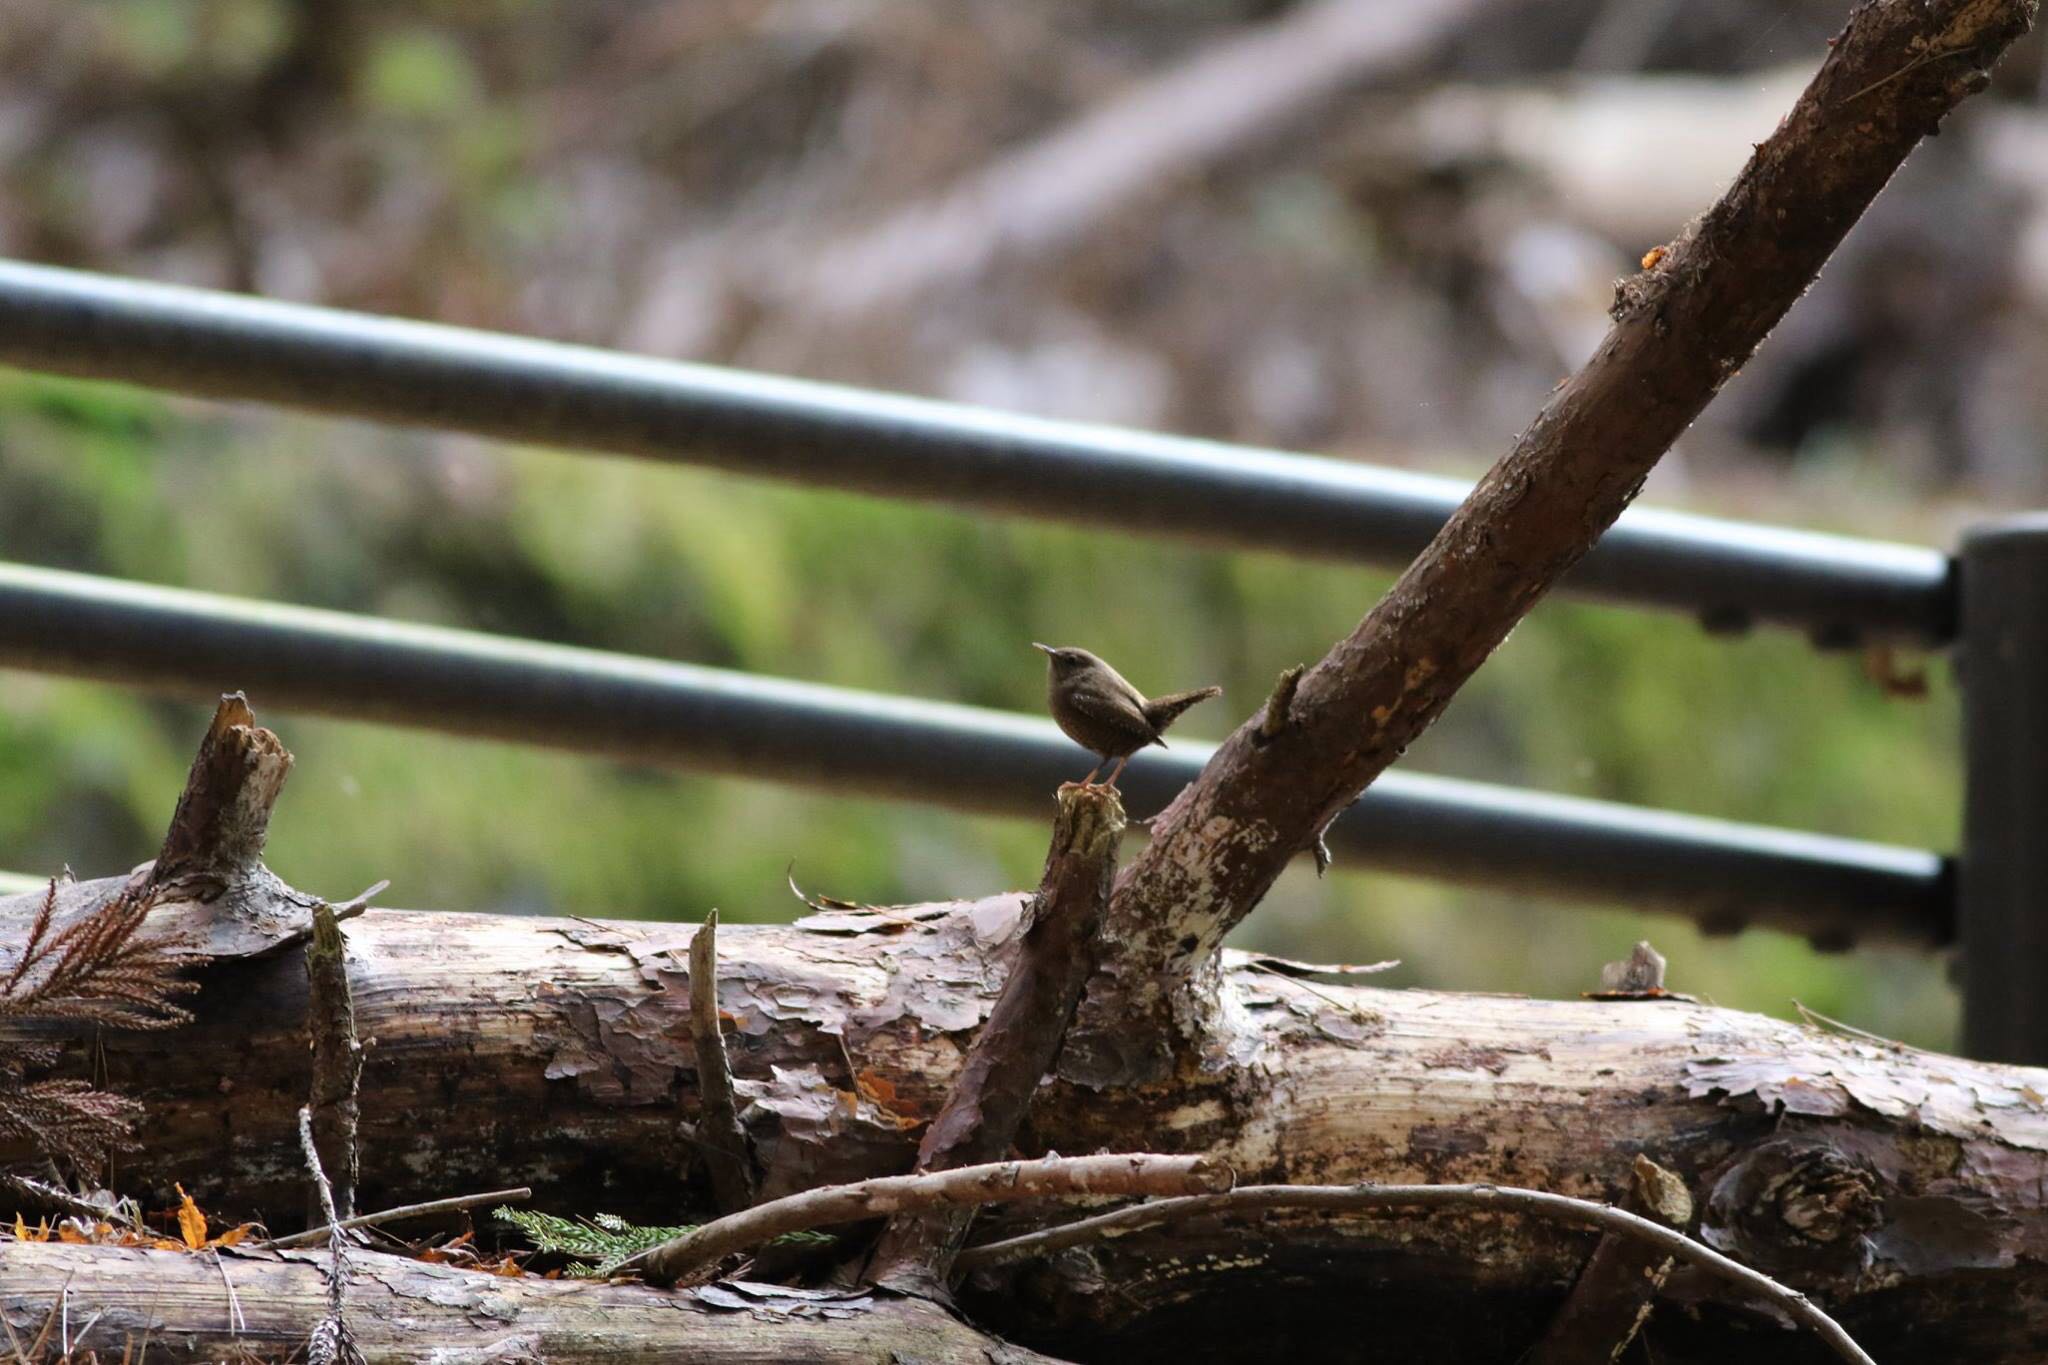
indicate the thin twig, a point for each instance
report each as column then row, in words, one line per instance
column 332, row 1343
column 719, row 1135
column 315, row 1236
column 1816, row 1018
column 237, row 1323
column 1050, row 1177
column 1379, row 1198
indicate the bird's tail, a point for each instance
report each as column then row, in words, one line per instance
column 1161, row 712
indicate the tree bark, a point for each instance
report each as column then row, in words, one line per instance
column 1902, row 1189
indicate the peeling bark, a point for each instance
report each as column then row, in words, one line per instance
column 1902, row 1189
column 404, row 1312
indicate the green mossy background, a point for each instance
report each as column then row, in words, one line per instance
column 832, row 588
column 548, row 169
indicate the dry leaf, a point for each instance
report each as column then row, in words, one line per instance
column 191, row 1222
column 20, row 1229
column 232, row 1236
column 70, row 1236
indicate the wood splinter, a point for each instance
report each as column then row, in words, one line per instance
column 721, row 1140
column 337, row 1065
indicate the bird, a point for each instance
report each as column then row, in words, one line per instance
column 1105, row 715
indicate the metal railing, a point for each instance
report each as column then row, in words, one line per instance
column 1838, row 590
column 225, row 346
column 709, row 720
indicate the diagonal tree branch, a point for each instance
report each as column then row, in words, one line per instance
column 1683, row 328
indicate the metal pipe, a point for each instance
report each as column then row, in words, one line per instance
column 1729, row 574
column 646, row 711
column 2002, row 875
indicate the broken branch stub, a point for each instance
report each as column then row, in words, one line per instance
column 223, row 816
column 720, row 1138
column 1682, row 329
column 1017, row 1046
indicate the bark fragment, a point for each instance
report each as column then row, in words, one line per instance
column 719, row 1137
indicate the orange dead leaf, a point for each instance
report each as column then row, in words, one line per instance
column 191, row 1222
column 70, row 1235
column 880, row 1091
column 232, row 1236
column 877, row 1087
column 851, row 1102
column 509, row 1268
column 20, row 1229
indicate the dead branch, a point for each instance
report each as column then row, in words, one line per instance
column 223, row 816
column 1017, row 1045
column 1049, row 1177
column 314, row 1236
column 1380, row 1198
column 337, row 1062
column 1682, row 329
column 727, row 1153
column 1612, row 1298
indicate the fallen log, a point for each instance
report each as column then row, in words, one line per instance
column 236, row 1305
column 1897, row 1187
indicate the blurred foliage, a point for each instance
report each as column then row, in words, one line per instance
column 558, row 169
column 840, row 589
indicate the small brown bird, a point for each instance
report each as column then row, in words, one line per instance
column 1104, row 714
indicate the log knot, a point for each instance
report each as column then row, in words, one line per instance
column 1790, row 1204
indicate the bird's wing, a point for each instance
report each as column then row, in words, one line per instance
column 1114, row 684
column 1114, row 712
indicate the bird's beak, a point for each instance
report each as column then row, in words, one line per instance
column 1043, row 649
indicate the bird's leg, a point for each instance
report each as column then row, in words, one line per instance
column 1110, row 781
column 1089, row 780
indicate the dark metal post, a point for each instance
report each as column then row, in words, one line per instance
column 2003, row 877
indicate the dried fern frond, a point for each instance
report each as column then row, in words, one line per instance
column 97, row 970
column 67, row 1118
